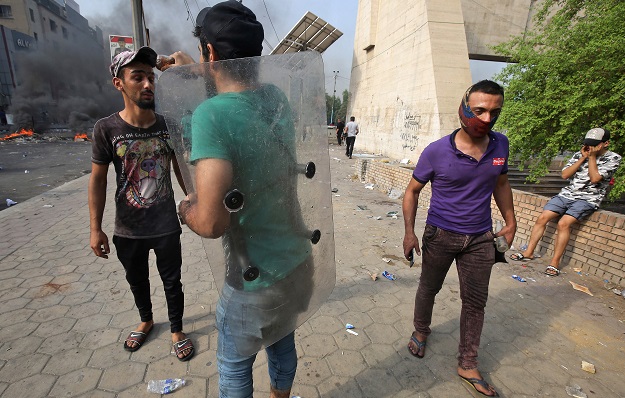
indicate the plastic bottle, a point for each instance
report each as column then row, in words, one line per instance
column 500, row 242
column 164, row 386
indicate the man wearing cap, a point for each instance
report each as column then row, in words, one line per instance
column 243, row 138
column 590, row 171
column 136, row 141
column 465, row 170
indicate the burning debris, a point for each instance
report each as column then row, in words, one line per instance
column 22, row 133
column 81, row 137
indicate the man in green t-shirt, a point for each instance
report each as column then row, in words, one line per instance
column 243, row 139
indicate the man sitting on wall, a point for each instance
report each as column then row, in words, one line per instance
column 590, row 171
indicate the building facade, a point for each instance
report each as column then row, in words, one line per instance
column 37, row 25
column 411, row 66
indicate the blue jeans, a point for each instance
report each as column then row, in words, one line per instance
column 235, row 370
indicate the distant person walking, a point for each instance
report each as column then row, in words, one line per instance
column 351, row 128
column 340, row 126
column 136, row 141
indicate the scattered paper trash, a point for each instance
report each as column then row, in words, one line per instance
column 588, row 367
column 404, row 161
column 11, row 202
column 518, row 278
column 351, row 331
column 373, row 276
column 388, row 260
column 577, row 270
column 349, row 326
column 369, row 186
column 335, row 190
column 617, row 291
column 48, row 205
column 580, row 288
column 532, row 279
column 575, row 391
column 389, row 276
column 395, row 193
column 362, row 207
column 378, row 218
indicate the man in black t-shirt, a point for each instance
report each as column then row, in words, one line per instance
column 340, row 126
column 136, row 141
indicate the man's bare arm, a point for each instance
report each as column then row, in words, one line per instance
column 409, row 211
column 204, row 211
column 98, row 240
column 505, row 203
column 178, row 174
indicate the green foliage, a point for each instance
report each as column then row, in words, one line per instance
column 340, row 107
column 568, row 76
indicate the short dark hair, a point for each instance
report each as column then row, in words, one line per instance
column 352, row 118
column 487, row 87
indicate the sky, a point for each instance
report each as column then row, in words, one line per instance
column 170, row 28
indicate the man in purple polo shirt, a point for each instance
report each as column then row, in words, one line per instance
column 465, row 169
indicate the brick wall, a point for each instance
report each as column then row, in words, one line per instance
column 597, row 244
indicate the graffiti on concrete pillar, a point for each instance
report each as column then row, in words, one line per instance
column 410, row 134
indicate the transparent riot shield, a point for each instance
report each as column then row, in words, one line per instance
column 274, row 266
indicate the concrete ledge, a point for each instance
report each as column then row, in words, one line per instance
column 596, row 245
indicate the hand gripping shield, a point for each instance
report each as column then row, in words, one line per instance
column 274, row 266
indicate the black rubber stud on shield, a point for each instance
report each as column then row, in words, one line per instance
column 233, row 200
column 251, row 273
column 310, row 170
column 316, row 236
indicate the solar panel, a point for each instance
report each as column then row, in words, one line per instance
column 310, row 33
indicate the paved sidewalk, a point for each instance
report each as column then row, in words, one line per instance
column 64, row 314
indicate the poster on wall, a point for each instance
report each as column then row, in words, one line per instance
column 120, row 44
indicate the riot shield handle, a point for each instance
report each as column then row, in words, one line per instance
column 309, row 169
column 234, row 201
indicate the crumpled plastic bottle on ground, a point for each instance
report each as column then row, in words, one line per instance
column 11, row 202
column 165, row 386
column 575, row 391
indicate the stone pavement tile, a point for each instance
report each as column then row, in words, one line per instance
column 312, row 371
column 35, row 386
column 517, row 380
column 67, row 361
column 98, row 394
column 108, row 356
column 204, row 364
column 64, row 341
column 23, row 366
column 55, row 326
column 77, row 382
column 99, row 338
column 346, row 363
column 122, row 376
column 19, row 347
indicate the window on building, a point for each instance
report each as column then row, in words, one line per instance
column 32, row 14
column 52, row 26
column 65, row 34
column 5, row 12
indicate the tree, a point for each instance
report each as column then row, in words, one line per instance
column 342, row 110
column 567, row 76
column 332, row 101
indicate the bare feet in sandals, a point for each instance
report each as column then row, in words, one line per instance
column 183, row 346
column 137, row 337
column 416, row 345
column 473, row 378
column 552, row 270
